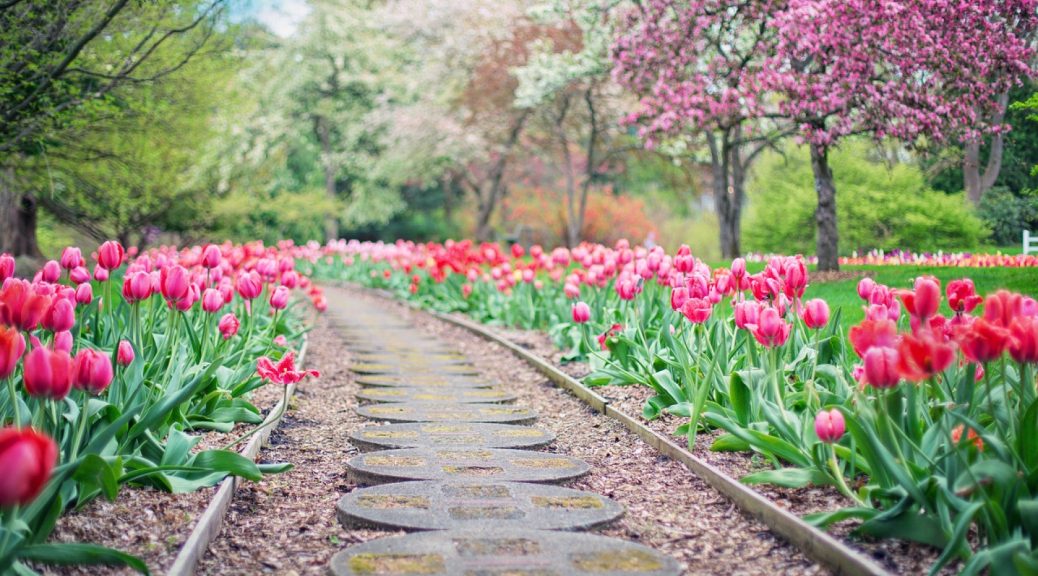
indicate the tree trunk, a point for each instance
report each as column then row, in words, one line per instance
column 975, row 183
column 331, row 222
column 17, row 218
column 495, row 182
column 825, row 215
column 726, row 203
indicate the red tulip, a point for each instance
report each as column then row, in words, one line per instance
column 962, row 295
column 921, row 357
column 603, row 339
column 7, row 266
column 125, row 354
column 971, row 436
column 284, row 372
column 830, row 425
column 872, row 333
column 47, row 373
column 27, row 458
column 881, row 367
column 12, row 346
column 581, row 312
column 211, row 256
column 229, row 325
column 21, row 305
column 924, row 301
column 110, row 255
column 517, row 251
column 279, row 298
column 1001, row 307
column 92, row 371
column 1023, row 340
column 60, row 317
column 816, row 313
column 982, row 341
column 72, row 257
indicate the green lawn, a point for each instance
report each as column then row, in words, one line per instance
column 843, row 295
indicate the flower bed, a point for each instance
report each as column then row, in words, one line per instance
column 111, row 374
column 925, row 423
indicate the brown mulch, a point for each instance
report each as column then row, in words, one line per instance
column 898, row 556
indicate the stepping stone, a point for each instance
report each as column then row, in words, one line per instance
column 493, row 464
column 475, row 505
column 447, row 412
column 422, row 381
column 409, row 358
column 399, row 368
column 450, row 435
column 436, row 394
column 501, row 553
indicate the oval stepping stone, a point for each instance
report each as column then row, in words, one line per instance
column 401, row 368
column 450, row 435
column 475, row 505
column 502, row 553
column 436, row 394
column 447, row 412
column 422, row 381
column 494, row 464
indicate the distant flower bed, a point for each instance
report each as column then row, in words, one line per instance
column 927, row 424
column 903, row 258
column 110, row 364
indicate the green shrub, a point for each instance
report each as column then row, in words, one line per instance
column 878, row 205
column 1008, row 214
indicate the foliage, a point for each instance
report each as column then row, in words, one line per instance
column 879, row 206
column 540, row 217
column 1008, row 214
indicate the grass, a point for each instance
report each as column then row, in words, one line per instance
column 842, row 295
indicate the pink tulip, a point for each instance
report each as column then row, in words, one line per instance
column 739, row 268
column 92, row 371
column 249, row 285
column 697, row 310
column 137, row 287
column 79, row 275
column 865, row 288
column 185, row 303
column 881, row 367
column 211, row 256
column 110, row 255
column 71, row 258
column 212, row 300
column 279, row 298
column 47, row 373
column 84, row 294
column 747, row 313
column 100, row 273
column 816, row 313
column 771, row 330
column 63, row 342
column 175, row 283
column 678, row 297
column 61, row 316
column 51, row 271
column 830, row 426
column 125, row 355
column 228, row 326
column 27, row 458
column 581, row 312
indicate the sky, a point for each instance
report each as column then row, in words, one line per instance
column 282, row 17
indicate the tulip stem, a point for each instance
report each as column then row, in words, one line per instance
column 80, row 427
column 841, row 483
column 14, row 402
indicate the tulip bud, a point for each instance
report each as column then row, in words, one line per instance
column 229, row 325
column 60, row 317
column 280, row 340
column 92, row 371
column 279, row 298
column 47, row 373
column 881, row 367
column 63, row 342
column 7, row 265
column 830, row 425
column 71, row 258
column 110, row 255
column 100, row 273
column 12, row 346
column 865, row 288
column 212, row 300
column 84, row 294
column 816, row 313
column 581, row 312
column 739, row 267
column 125, row 354
column 211, row 256
column 79, row 275
column 51, row 272
column 27, row 458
